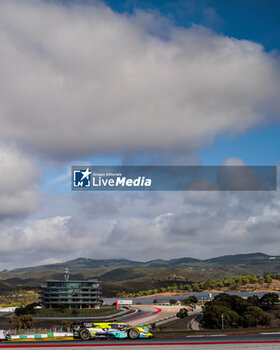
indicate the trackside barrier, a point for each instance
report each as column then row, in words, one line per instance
column 105, row 317
column 55, row 335
column 41, row 336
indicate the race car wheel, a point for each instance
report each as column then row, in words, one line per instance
column 85, row 334
column 133, row 333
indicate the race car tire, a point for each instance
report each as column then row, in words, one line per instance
column 133, row 333
column 85, row 334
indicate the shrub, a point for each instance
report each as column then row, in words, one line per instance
column 66, row 325
column 75, row 312
column 26, row 321
column 27, row 310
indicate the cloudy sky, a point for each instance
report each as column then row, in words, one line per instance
column 135, row 82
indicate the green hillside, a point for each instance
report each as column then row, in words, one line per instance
column 239, row 259
column 80, row 264
column 5, row 286
column 127, row 275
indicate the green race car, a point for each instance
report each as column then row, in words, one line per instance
column 93, row 330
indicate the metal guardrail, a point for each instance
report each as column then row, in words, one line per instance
column 106, row 317
column 41, row 336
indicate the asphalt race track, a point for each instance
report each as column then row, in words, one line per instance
column 269, row 341
column 253, row 341
column 141, row 312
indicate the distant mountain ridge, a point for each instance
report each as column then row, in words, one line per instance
column 238, row 258
column 128, row 275
column 80, row 264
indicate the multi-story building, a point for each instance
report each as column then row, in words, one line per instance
column 71, row 294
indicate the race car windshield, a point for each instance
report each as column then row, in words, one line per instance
column 120, row 326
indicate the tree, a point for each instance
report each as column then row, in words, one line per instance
column 252, row 317
column 253, row 300
column 229, row 282
column 213, row 285
column 183, row 313
column 203, row 285
column 187, row 287
column 268, row 300
column 190, row 300
column 223, row 298
column 237, row 311
column 19, row 311
column 233, row 302
column 193, row 299
column 265, row 320
column 27, row 310
column 172, row 301
column 14, row 321
column 238, row 304
column 267, row 278
column 213, row 316
column 248, row 320
column 195, row 287
column 253, row 279
column 245, row 280
column 26, row 321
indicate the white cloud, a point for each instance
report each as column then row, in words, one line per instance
column 79, row 80
column 34, row 241
column 134, row 227
column 19, row 182
column 234, row 161
column 84, row 80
